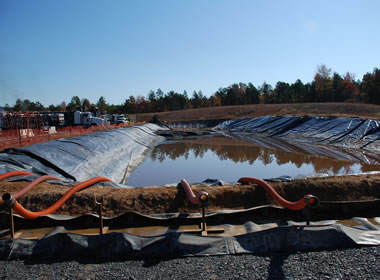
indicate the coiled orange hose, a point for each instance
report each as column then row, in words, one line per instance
column 307, row 200
column 14, row 173
column 10, row 201
column 31, row 185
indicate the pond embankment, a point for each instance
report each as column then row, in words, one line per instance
column 264, row 227
column 114, row 153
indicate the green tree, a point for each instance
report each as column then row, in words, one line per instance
column 7, row 107
column 281, row 93
column 323, row 84
column 196, row 100
column 175, row 101
column 338, row 85
column 74, row 103
column 27, row 104
column 297, row 91
column 102, row 103
column 154, row 101
column 36, row 106
column 129, row 105
column 252, row 94
column 370, row 86
column 86, row 104
column 236, row 94
column 221, row 93
column 63, row 106
column 19, row 105
column 266, row 91
column 54, row 108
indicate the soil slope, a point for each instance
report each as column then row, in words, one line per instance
column 366, row 111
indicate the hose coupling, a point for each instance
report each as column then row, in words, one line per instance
column 203, row 198
column 312, row 201
column 9, row 200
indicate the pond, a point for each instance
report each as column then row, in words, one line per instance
column 228, row 159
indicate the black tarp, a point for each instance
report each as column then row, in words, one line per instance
column 347, row 132
column 175, row 244
column 112, row 154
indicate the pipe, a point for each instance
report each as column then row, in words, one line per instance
column 202, row 196
column 31, row 185
column 308, row 200
column 14, row 173
column 11, row 201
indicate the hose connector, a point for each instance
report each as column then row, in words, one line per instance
column 9, row 200
column 312, row 201
column 203, row 198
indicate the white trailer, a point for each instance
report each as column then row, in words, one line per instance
column 87, row 119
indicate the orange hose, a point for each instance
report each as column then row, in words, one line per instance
column 14, row 173
column 189, row 192
column 33, row 215
column 300, row 204
column 201, row 198
column 31, row 185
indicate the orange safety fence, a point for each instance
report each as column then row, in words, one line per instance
column 16, row 138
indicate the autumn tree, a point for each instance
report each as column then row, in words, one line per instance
column 323, row 84
column 63, row 106
column 129, row 105
column 350, row 87
column 142, row 105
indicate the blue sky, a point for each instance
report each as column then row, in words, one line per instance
column 51, row 50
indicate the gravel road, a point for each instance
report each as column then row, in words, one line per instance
column 357, row 263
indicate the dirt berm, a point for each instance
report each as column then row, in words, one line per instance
column 173, row 199
column 353, row 110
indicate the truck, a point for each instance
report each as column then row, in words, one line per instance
column 57, row 119
column 119, row 119
column 87, row 119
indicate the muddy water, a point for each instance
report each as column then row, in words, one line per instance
column 228, row 159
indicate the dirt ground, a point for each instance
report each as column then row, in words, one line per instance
column 173, row 200
column 366, row 111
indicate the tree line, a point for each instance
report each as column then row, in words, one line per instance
column 325, row 87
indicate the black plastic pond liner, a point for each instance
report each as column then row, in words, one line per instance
column 109, row 153
column 268, row 229
column 347, row 132
column 174, row 244
column 323, row 150
column 114, row 154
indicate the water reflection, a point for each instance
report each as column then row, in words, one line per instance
column 228, row 159
column 239, row 151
